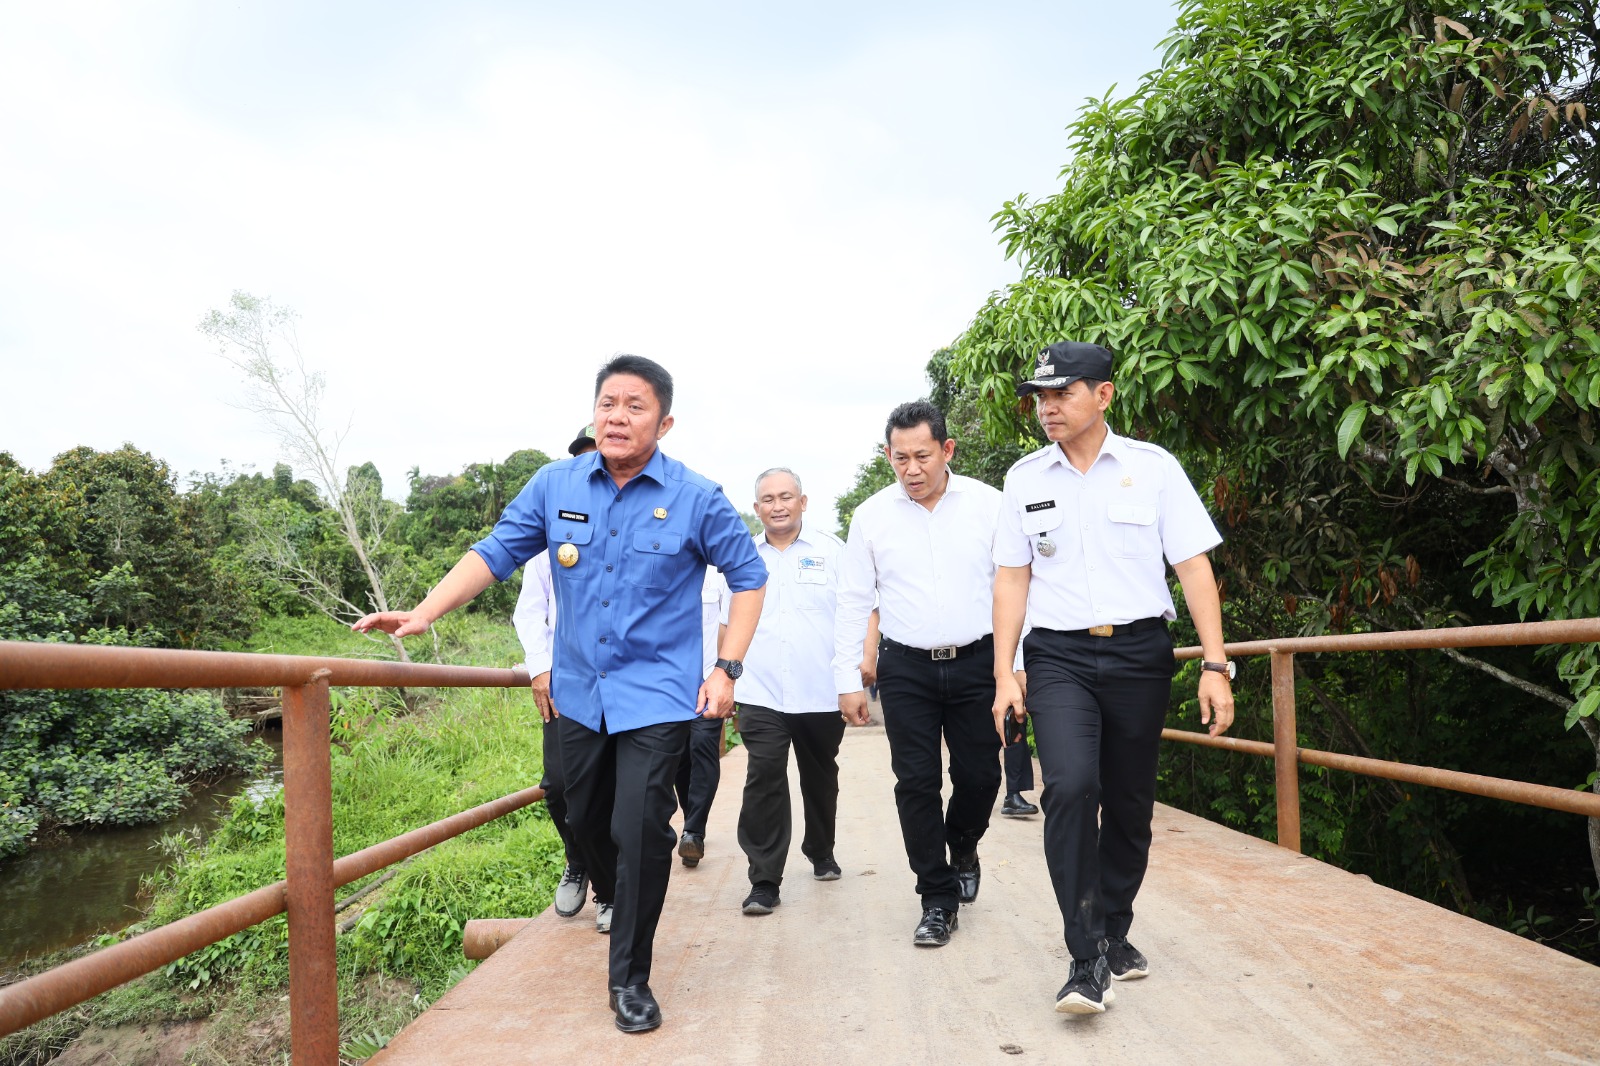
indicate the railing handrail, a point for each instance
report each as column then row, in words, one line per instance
column 1570, row 631
column 25, row 664
column 307, row 892
column 312, row 873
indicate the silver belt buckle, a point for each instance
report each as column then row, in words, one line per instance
column 946, row 652
column 1101, row 631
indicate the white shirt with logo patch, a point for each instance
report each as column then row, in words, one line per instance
column 1106, row 533
column 788, row 666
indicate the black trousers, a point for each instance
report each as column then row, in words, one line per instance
column 766, row 821
column 619, row 808
column 1019, row 760
column 924, row 700
column 1098, row 705
column 555, row 796
column 699, row 773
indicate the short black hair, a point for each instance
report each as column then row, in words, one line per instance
column 654, row 374
column 916, row 413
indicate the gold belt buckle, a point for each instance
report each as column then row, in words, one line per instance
column 1101, row 631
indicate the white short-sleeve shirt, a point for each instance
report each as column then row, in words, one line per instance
column 1098, row 541
column 789, row 665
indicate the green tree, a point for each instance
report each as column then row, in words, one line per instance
column 1348, row 253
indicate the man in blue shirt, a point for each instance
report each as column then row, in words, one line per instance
column 631, row 532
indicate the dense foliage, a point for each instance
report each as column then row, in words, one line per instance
column 103, row 548
column 1348, row 253
column 100, row 550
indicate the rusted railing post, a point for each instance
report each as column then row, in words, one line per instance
column 1286, row 750
column 308, row 833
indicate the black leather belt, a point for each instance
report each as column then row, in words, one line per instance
column 1111, row 631
column 948, row 651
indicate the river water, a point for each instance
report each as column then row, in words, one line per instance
column 68, row 891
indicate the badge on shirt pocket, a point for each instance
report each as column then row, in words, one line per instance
column 813, row 570
column 1039, row 519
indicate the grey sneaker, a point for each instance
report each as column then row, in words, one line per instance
column 1125, row 960
column 1088, row 988
column 602, row 918
column 571, row 891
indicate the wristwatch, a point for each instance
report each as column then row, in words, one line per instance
column 1230, row 668
column 732, row 667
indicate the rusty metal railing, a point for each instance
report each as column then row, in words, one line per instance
column 1288, row 755
column 312, row 873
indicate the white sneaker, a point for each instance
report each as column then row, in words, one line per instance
column 602, row 918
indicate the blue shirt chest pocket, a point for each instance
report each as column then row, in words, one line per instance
column 566, row 531
column 656, row 558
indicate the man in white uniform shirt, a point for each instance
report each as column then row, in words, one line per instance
column 787, row 697
column 921, row 550
column 1084, row 528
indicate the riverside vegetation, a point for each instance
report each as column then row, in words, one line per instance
column 1349, row 250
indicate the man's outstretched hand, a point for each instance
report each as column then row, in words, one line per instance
column 397, row 623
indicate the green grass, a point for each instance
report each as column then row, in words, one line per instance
column 396, row 773
column 462, row 639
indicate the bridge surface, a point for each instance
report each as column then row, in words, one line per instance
column 1258, row 955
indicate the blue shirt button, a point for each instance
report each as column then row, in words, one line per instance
column 602, row 640
column 605, row 603
column 608, row 568
column 602, row 673
column 613, row 532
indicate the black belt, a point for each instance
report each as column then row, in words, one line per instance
column 1110, row 631
column 948, row 651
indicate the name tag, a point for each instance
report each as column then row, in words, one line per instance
column 813, row 570
column 1042, row 505
column 573, row 516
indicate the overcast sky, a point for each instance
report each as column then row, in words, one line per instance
column 472, row 205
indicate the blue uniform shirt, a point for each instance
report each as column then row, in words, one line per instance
column 627, row 649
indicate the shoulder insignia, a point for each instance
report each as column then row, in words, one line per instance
column 1031, row 456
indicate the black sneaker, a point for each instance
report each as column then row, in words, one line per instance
column 826, row 870
column 1088, row 988
column 1125, row 960
column 763, row 898
column 1016, row 805
column 934, row 930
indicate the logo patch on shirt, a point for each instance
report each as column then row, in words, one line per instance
column 813, row 562
column 1042, row 505
column 573, row 516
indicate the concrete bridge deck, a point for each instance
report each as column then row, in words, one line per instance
column 1258, row 955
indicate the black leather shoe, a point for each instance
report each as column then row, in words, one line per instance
column 1016, row 805
column 635, row 1008
column 935, row 928
column 968, row 874
column 692, row 848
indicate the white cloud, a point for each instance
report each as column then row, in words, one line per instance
column 462, row 263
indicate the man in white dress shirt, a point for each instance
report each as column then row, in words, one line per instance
column 701, row 769
column 535, row 620
column 921, row 550
column 1084, row 528
column 787, row 697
